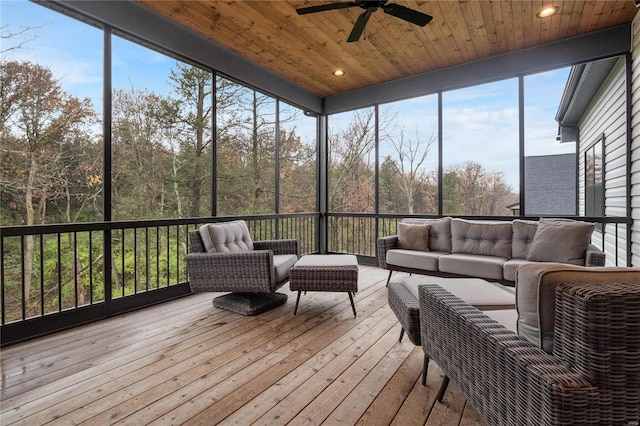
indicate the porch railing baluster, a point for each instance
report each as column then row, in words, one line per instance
column 59, row 273
column 41, row 264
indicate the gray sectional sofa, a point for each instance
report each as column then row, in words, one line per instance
column 492, row 250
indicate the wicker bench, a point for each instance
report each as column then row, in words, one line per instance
column 328, row 272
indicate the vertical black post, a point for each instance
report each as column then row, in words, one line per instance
column 629, row 103
column 277, row 170
column 323, row 182
column 521, row 146
column 214, row 145
column 377, row 181
column 2, row 315
column 440, row 156
column 106, row 169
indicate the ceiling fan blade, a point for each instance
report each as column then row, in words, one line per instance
column 323, row 7
column 409, row 15
column 358, row 27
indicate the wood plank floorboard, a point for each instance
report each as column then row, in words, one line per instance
column 185, row 362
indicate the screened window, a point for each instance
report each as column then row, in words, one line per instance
column 550, row 161
column 594, row 180
column 480, row 149
column 408, row 176
column 161, row 135
column 298, row 168
column 352, row 139
column 54, row 62
column 246, row 150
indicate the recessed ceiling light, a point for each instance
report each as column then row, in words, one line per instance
column 338, row 73
column 547, row 11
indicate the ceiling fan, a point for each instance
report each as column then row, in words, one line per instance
column 370, row 6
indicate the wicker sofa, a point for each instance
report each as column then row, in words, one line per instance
column 485, row 249
column 587, row 318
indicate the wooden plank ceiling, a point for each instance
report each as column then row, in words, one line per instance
column 307, row 49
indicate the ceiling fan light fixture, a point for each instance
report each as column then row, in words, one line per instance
column 547, row 11
column 338, row 73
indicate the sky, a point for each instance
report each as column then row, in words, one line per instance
column 480, row 123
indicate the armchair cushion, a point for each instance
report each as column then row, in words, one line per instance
column 536, row 292
column 226, row 237
column 283, row 264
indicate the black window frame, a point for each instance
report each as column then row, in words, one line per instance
column 594, row 191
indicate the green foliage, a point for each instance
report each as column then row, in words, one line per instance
column 451, row 204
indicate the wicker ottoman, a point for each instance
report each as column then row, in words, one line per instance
column 403, row 298
column 325, row 272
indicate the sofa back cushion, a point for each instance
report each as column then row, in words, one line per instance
column 561, row 240
column 523, row 233
column 226, row 237
column 439, row 232
column 482, row 238
column 536, row 294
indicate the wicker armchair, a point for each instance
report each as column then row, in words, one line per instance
column 227, row 260
column 591, row 377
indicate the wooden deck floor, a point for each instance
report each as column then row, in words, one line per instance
column 185, row 362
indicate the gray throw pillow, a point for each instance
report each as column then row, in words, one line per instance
column 439, row 233
column 413, row 237
column 561, row 240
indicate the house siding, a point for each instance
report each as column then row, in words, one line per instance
column 606, row 117
column 635, row 141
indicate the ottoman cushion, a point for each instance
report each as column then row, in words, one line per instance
column 476, row 292
column 486, row 296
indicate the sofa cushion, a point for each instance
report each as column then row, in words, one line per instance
column 523, row 233
column 473, row 265
column 282, row 264
column 226, row 237
column 413, row 259
column 413, row 236
column 510, row 268
column 561, row 240
column 482, row 238
column 439, row 232
column 536, row 294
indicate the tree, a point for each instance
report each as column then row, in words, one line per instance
column 391, row 196
column 411, row 156
column 245, row 151
column 351, row 171
column 141, row 157
column 480, row 192
column 45, row 134
column 297, row 173
column 192, row 112
column 451, row 204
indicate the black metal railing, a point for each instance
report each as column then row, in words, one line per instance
column 93, row 270
column 58, row 276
